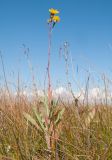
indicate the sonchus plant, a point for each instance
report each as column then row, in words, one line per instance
column 47, row 121
column 51, row 23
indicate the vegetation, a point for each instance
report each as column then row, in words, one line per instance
column 83, row 133
column 43, row 128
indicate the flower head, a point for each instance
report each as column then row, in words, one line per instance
column 56, row 18
column 53, row 11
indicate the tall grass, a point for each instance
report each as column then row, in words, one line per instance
column 85, row 133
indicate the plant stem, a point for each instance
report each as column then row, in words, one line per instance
column 48, row 68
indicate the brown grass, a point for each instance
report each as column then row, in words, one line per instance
column 82, row 136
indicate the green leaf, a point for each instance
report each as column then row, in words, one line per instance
column 45, row 102
column 39, row 118
column 55, row 103
column 46, row 106
column 31, row 120
column 59, row 116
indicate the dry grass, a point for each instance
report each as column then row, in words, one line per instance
column 85, row 133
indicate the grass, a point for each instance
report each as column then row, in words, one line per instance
column 82, row 136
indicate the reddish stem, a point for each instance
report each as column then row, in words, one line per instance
column 49, row 55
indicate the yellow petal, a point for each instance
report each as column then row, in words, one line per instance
column 56, row 18
column 53, row 11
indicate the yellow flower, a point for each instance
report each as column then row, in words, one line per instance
column 53, row 11
column 56, row 18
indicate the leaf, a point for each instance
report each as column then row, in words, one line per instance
column 59, row 116
column 53, row 109
column 46, row 106
column 51, row 113
column 39, row 118
column 54, row 24
column 54, row 103
column 31, row 120
column 45, row 102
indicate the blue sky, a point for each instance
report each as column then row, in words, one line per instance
column 85, row 24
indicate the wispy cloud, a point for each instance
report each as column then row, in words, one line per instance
column 94, row 94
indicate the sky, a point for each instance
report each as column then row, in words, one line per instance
column 85, row 24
